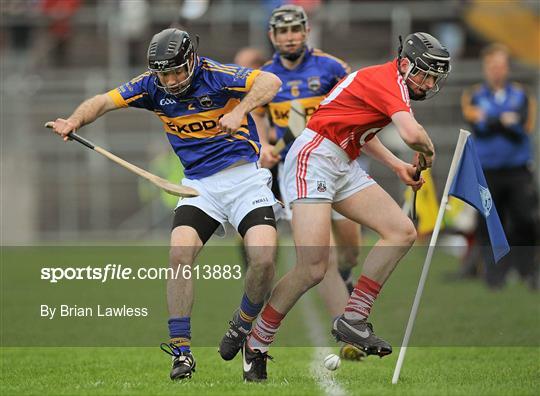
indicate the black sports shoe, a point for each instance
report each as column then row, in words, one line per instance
column 360, row 334
column 232, row 341
column 183, row 363
column 351, row 353
column 254, row 364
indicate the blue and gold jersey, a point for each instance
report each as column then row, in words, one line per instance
column 499, row 146
column 309, row 83
column 191, row 121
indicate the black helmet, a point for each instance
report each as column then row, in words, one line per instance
column 289, row 15
column 170, row 50
column 426, row 54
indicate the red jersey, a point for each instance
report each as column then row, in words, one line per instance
column 361, row 105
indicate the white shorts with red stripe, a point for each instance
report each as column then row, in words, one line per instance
column 316, row 168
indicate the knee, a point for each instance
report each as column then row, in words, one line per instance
column 181, row 256
column 262, row 264
column 409, row 233
column 314, row 275
column 261, row 258
column 404, row 234
column 348, row 256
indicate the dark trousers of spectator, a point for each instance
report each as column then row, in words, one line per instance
column 515, row 196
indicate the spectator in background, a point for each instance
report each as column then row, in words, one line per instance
column 133, row 25
column 251, row 57
column 60, row 12
column 502, row 116
column 20, row 14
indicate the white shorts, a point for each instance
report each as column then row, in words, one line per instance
column 285, row 211
column 364, row 162
column 316, row 168
column 229, row 195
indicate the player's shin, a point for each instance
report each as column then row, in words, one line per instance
column 258, row 282
column 180, row 302
column 260, row 241
column 265, row 329
column 362, row 298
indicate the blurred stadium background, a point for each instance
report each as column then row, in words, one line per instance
column 56, row 53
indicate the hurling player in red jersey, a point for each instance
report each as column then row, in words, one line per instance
column 321, row 173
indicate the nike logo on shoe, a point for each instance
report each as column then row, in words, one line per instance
column 363, row 333
column 268, row 218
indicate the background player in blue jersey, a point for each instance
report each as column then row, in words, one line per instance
column 204, row 107
column 502, row 114
column 307, row 75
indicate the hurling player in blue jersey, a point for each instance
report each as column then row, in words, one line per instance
column 307, row 75
column 204, row 107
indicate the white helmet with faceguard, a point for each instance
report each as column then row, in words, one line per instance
column 427, row 55
column 283, row 17
column 172, row 50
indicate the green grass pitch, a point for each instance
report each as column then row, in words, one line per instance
column 427, row 371
column 467, row 340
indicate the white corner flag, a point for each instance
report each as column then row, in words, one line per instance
column 465, row 181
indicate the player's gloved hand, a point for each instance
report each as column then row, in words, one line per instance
column 406, row 173
column 63, row 127
column 230, row 122
column 268, row 159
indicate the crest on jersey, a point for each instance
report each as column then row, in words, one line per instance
column 205, row 101
column 487, row 202
column 314, row 83
column 321, row 186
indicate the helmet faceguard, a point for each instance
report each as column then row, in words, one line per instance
column 286, row 16
column 426, row 55
column 170, row 51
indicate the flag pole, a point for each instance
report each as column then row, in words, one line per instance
column 463, row 136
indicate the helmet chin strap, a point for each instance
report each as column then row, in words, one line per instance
column 294, row 56
column 291, row 56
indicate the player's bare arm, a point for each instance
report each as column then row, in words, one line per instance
column 405, row 171
column 414, row 135
column 264, row 88
column 268, row 158
column 87, row 112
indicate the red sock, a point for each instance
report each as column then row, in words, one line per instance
column 364, row 294
column 265, row 328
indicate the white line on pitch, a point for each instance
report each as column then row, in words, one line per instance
column 325, row 379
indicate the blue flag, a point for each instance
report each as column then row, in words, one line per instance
column 470, row 185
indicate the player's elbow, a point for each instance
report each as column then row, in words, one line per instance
column 410, row 131
column 415, row 137
column 100, row 99
column 412, row 135
column 274, row 82
column 102, row 103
